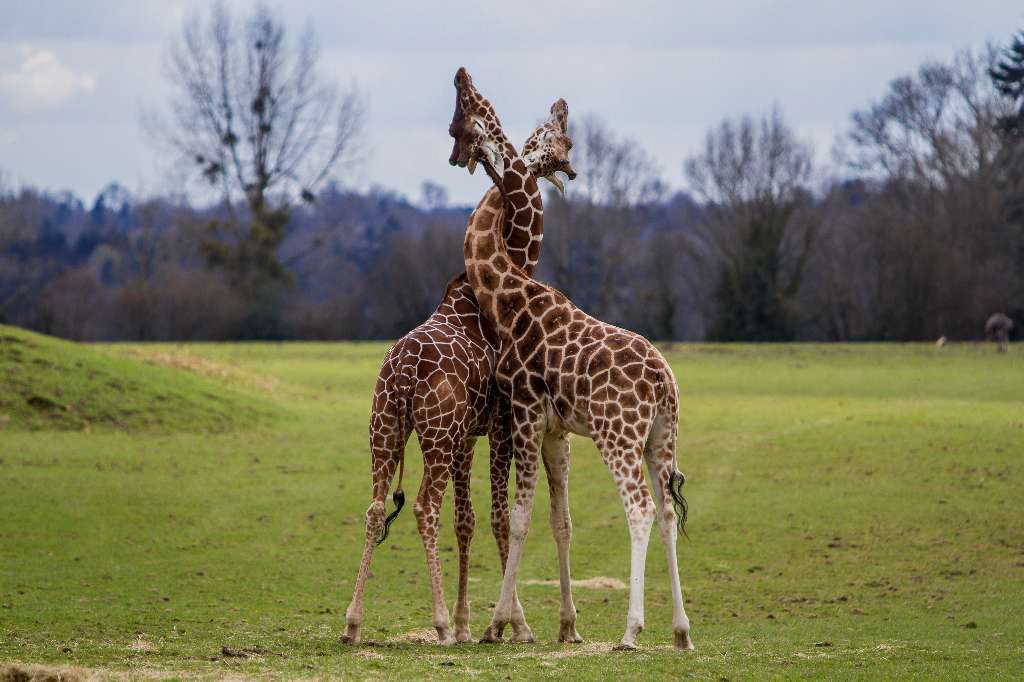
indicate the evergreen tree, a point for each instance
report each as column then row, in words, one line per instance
column 1008, row 77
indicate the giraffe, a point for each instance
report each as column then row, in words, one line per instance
column 567, row 372
column 436, row 380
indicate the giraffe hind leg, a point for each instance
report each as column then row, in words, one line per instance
column 500, row 440
column 387, row 452
column 623, row 455
column 465, row 525
column 556, row 465
column 666, row 481
column 526, row 442
column 437, row 459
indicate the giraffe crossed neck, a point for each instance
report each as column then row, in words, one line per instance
column 479, row 137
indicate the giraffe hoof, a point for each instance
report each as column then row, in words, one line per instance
column 624, row 646
column 683, row 641
column 567, row 633
column 463, row 636
column 352, row 636
column 490, row 638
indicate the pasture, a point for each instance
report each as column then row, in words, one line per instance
column 197, row 510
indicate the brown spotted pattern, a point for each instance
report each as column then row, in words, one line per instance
column 436, row 381
column 566, row 372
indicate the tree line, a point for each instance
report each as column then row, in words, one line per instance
column 915, row 231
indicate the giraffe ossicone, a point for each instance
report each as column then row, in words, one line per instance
column 563, row 372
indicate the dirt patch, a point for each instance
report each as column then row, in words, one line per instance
column 41, row 673
column 207, row 368
column 370, row 655
column 570, row 651
column 140, row 643
column 421, row 636
column 599, row 582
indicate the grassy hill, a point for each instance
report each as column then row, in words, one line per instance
column 50, row 384
column 854, row 514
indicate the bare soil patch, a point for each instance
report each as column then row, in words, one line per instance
column 599, row 582
column 42, row 673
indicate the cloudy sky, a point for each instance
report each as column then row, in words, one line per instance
column 75, row 74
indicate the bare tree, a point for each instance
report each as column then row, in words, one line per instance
column 598, row 216
column 942, row 249
column 752, row 176
column 251, row 113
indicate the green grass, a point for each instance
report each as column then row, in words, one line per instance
column 867, row 497
column 48, row 384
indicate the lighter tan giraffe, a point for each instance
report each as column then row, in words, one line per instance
column 564, row 371
column 437, row 380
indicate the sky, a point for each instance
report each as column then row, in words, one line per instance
column 75, row 76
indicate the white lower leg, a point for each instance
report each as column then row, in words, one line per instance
column 640, row 522
column 680, row 621
column 503, row 611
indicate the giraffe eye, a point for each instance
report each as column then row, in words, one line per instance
column 479, row 126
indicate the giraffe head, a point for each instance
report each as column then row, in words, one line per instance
column 476, row 129
column 546, row 151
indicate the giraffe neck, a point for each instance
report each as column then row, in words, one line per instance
column 493, row 269
column 524, row 212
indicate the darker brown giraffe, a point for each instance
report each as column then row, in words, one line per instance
column 437, row 381
column 567, row 372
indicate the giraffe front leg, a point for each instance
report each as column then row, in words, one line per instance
column 527, row 454
column 465, row 524
column 427, row 510
column 500, row 440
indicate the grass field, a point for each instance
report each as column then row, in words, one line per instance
column 855, row 511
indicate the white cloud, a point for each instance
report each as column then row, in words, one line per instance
column 42, row 82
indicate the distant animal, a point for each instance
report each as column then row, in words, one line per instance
column 941, row 341
column 998, row 329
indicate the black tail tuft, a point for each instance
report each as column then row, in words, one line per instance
column 678, row 501
column 399, row 500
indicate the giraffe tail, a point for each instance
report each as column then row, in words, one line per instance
column 670, row 410
column 398, row 497
column 675, row 489
column 400, row 416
